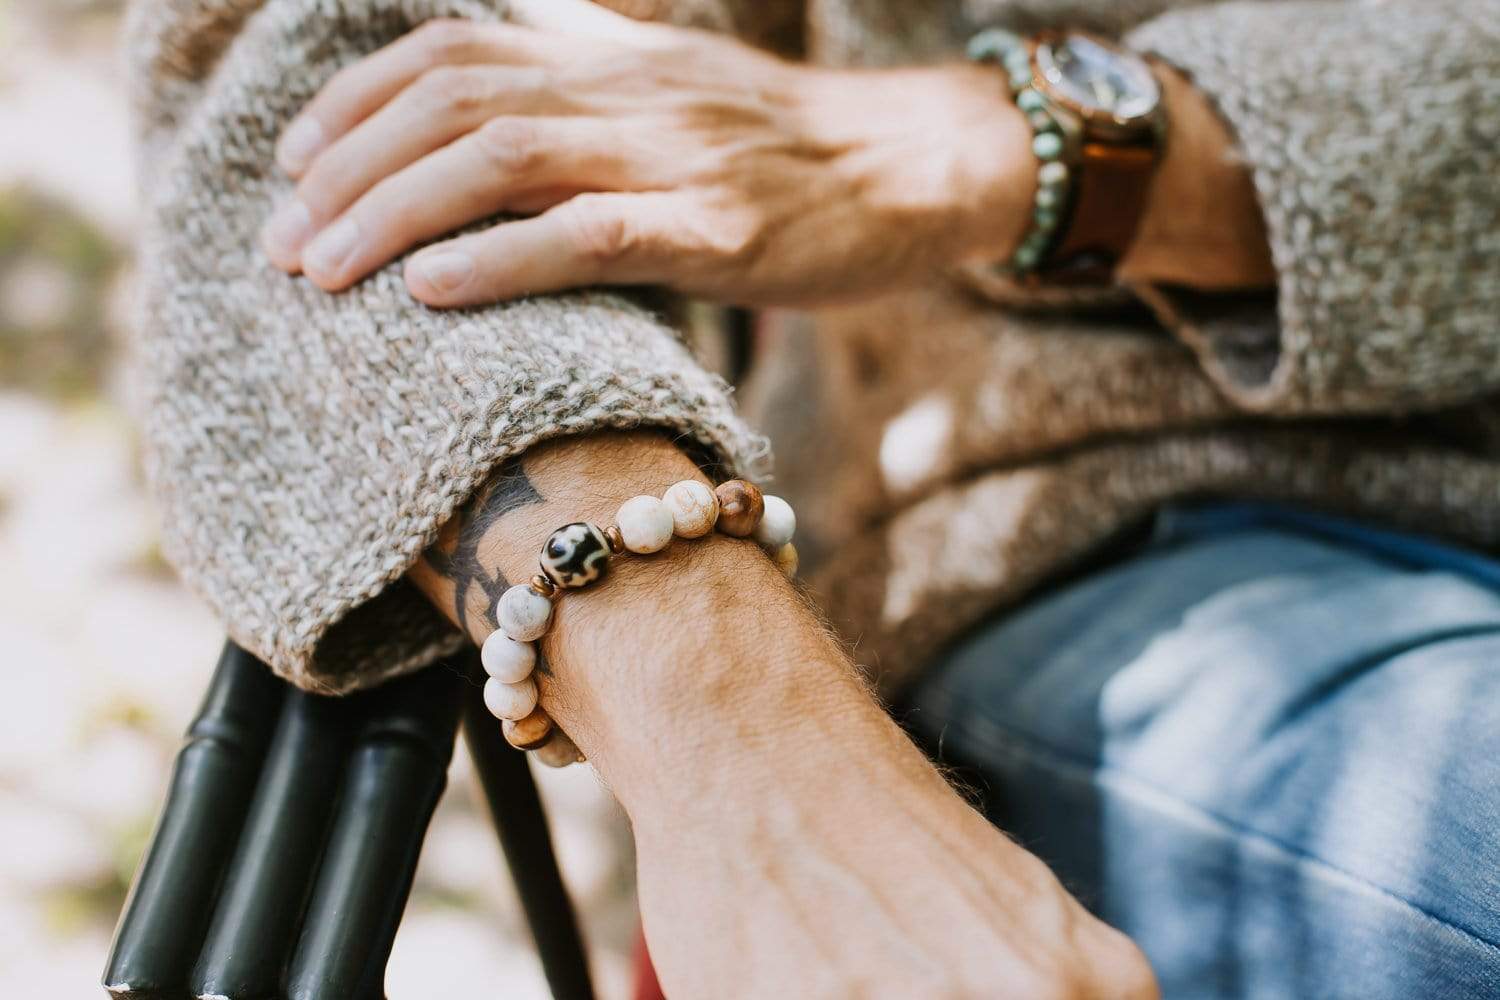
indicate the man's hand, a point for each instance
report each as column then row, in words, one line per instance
column 790, row 839
column 645, row 154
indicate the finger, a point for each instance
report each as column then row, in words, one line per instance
column 509, row 164
column 589, row 240
column 578, row 17
column 440, row 106
column 357, row 90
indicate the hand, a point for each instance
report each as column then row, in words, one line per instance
column 642, row 153
column 790, row 840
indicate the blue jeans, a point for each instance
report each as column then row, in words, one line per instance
column 1266, row 745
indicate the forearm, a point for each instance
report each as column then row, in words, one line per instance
column 700, row 653
column 787, row 832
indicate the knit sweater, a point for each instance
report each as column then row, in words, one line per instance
column 948, row 451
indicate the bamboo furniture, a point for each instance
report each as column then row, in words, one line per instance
column 285, row 850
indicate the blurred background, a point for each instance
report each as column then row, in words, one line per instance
column 104, row 653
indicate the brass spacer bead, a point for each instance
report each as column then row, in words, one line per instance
column 559, row 750
column 543, row 586
column 741, row 505
column 615, row 538
column 529, row 733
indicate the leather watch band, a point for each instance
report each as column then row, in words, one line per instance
column 1112, row 184
column 1098, row 127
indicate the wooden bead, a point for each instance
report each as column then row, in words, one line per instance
column 575, row 555
column 507, row 660
column 559, row 751
column 693, row 506
column 778, row 523
column 510, row 701
column 645, row 524
column 740, row 507
column 786, row 559
column 523, row 614
column 528, row 733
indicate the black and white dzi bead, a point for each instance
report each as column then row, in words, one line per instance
column 575, row 555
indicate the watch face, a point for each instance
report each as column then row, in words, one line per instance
column 1098, row 78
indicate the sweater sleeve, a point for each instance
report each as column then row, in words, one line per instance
column 304, row 448
column 1371, row 130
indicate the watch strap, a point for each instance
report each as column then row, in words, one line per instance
column 1111, row 182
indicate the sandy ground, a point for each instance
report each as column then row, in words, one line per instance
column 104, row 654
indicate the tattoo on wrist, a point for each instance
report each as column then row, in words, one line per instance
column 456, row 555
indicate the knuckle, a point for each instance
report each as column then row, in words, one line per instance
column 389, row 210
column 1123, row 967
column 734, row 237
column 598, row 234
column 1113, row 965
column 444, row 39
column 329, row 183
column 511, row 146
column 449, row 88
column 319, row 192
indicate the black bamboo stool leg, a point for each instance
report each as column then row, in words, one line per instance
column 213, row 782
column 516, row 809
column 285, row 851
column 392, row 782
column 286, row 848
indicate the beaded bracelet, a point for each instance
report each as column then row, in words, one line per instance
column 1048, row 143
column 578, row 554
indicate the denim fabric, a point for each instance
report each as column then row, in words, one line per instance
column 1267, row 746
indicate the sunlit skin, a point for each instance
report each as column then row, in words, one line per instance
column 791, row 840
column 642, row 153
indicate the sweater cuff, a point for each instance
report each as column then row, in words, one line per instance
column 305, row 448
column 1376, row 212
column 298, row 531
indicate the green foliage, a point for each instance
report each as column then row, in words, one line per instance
column 57, row 273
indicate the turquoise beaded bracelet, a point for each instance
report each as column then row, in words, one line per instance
column 577, row 555
column 1010, row 51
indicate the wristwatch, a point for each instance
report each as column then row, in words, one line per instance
column 1098, row 127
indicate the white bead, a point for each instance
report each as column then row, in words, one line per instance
column 786, row 559
column 510, row 701
column 507, row 660
column 559, row 750
column 645, row 524
column 1052, row 174
column 693, row 506
column 777, row 524
column 523, row 613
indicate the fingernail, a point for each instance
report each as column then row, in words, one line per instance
column 286, row 231
column 332, row 248
column 446, row 269
column 299, row 144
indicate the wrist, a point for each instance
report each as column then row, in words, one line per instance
column 1202, row 226
column 704, row 656
column 692, row 671
column 991, row 208
column 667, row 654
column 942, row 152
